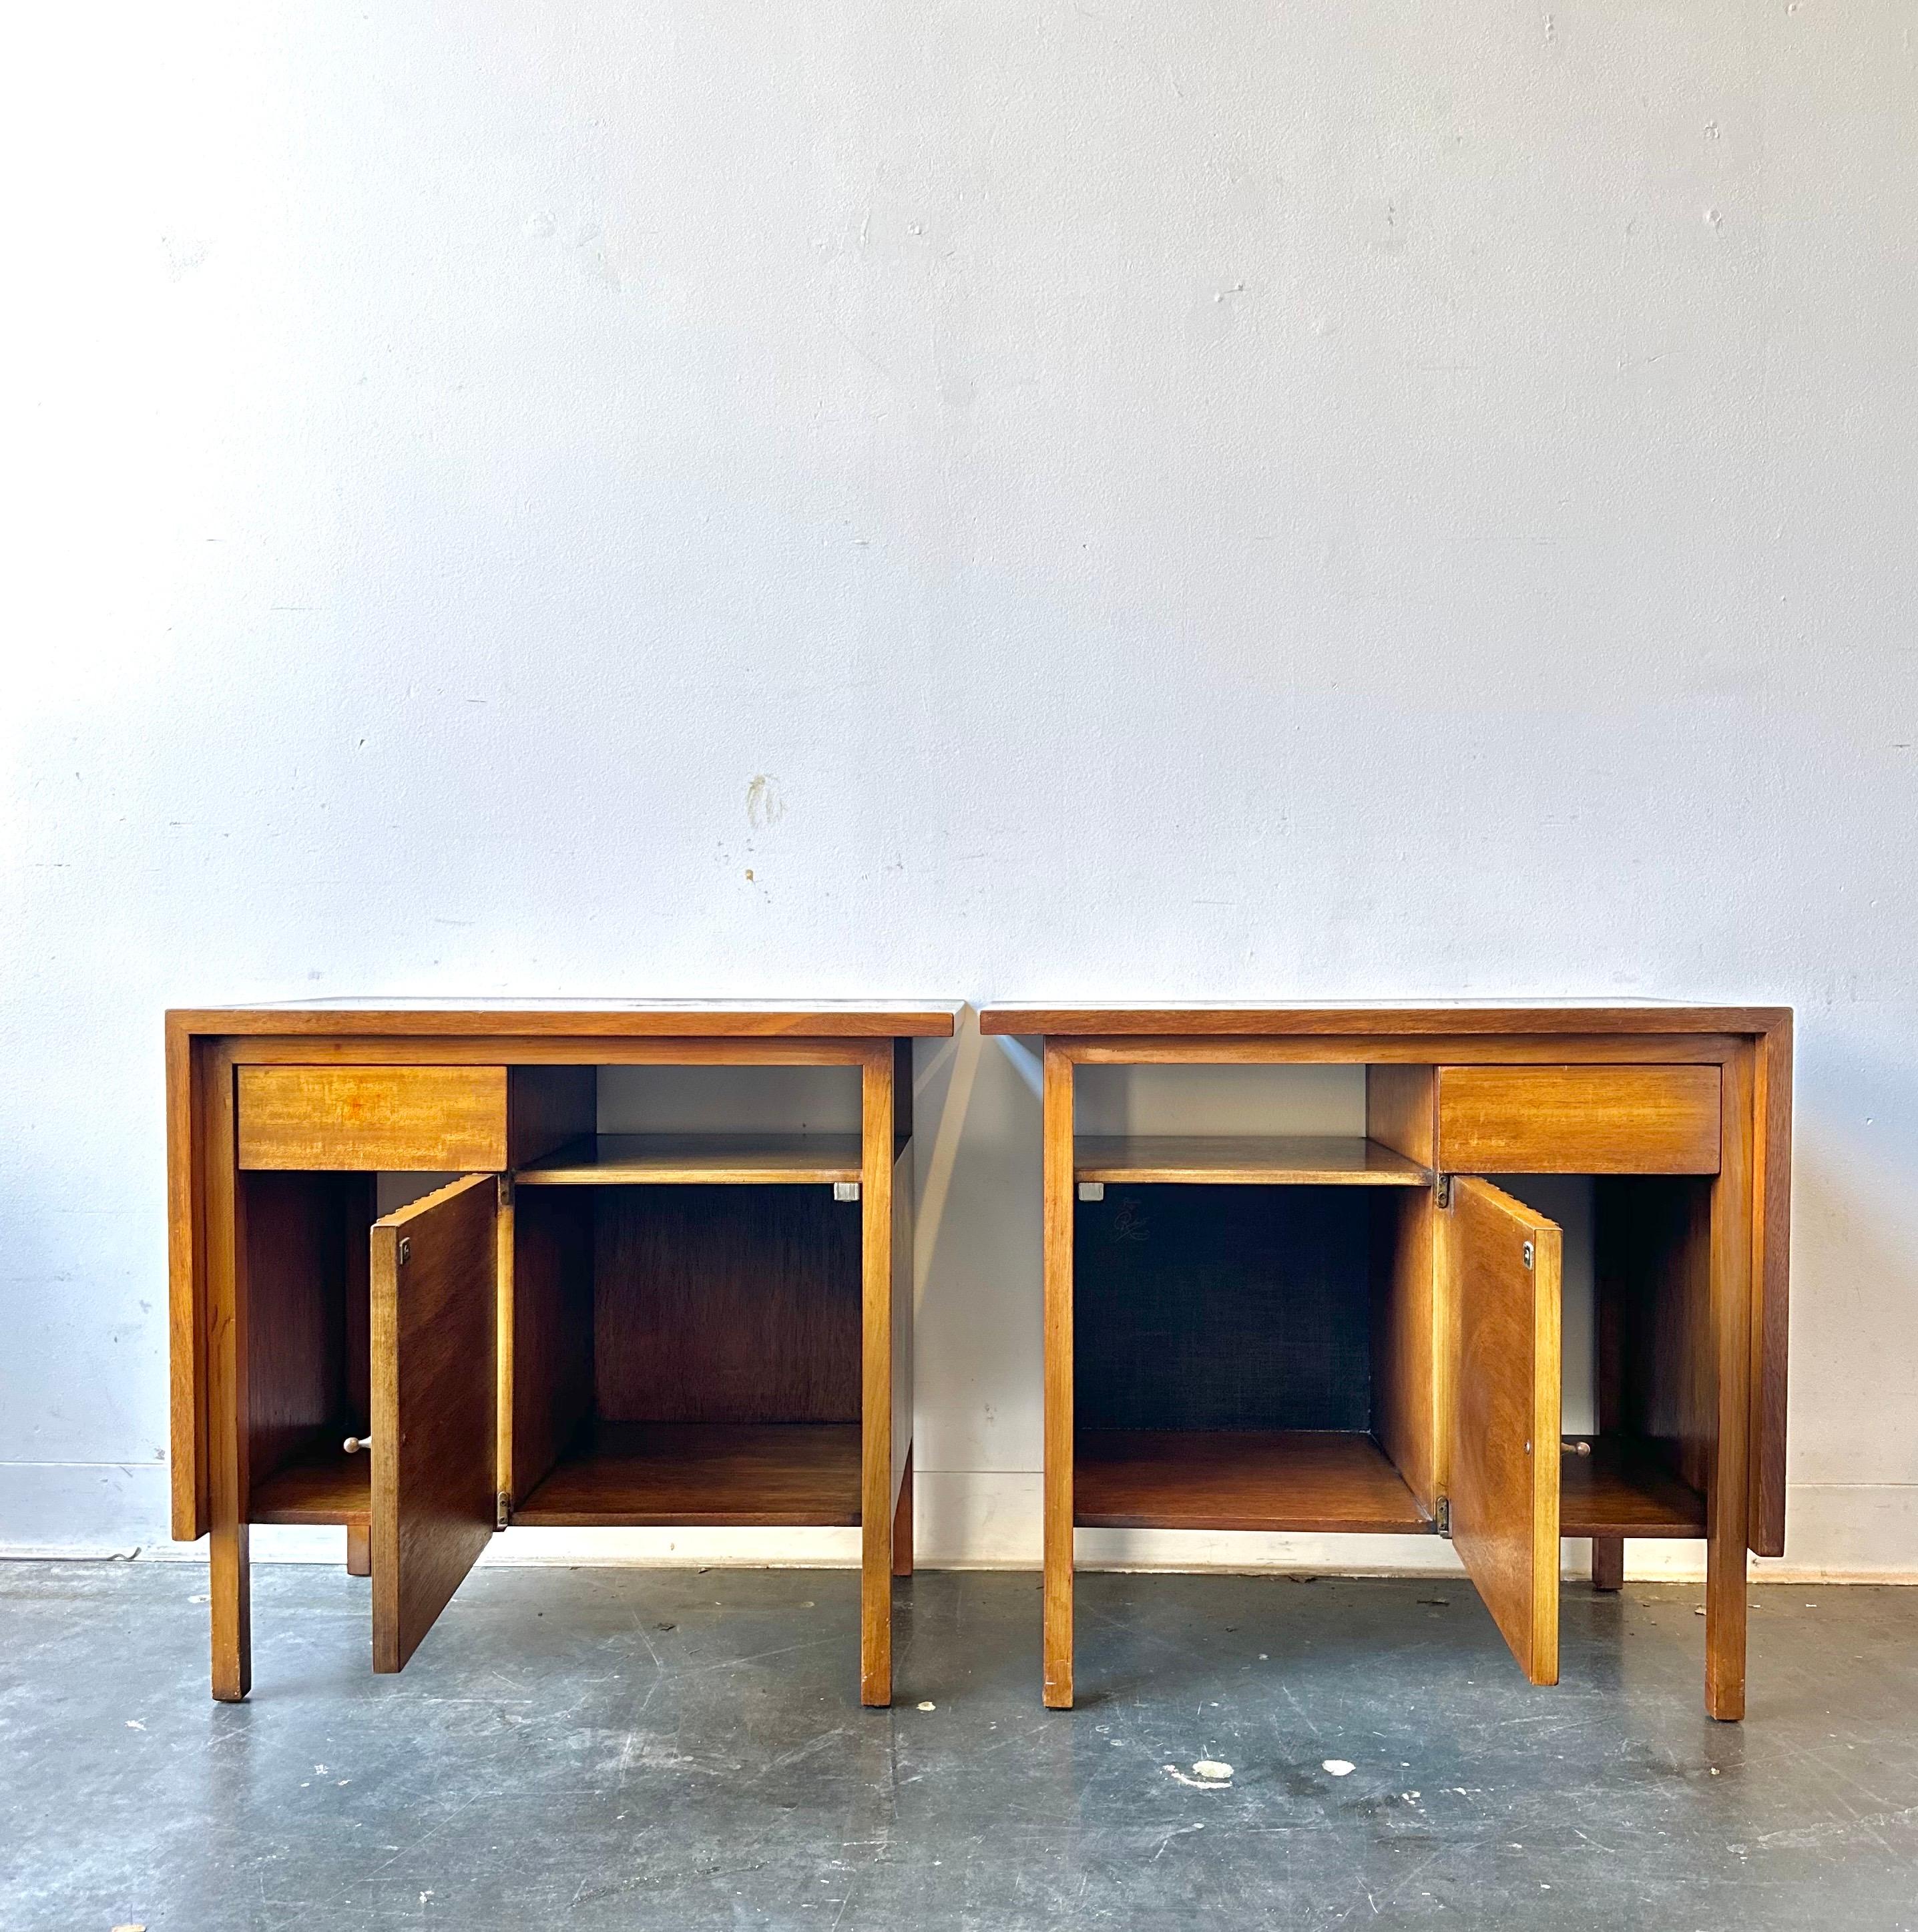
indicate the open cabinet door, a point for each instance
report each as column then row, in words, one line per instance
column 1504, row 1268
column 433, row 1282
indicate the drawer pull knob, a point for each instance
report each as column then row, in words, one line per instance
column 1576, row 1448
column 354, row 1445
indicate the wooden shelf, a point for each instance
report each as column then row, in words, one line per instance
column 1296, row 1160
column 1326, row 1480
column 702, row 1473
column 322, row 1484
column 1624, row 1489
column 630, row 1160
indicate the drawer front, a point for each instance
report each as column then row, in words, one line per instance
column 1578, row 1119
column 433, row 1119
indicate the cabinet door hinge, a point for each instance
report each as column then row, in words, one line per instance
column 1442, row 1517
column 503, row 1512
column 1443, row 1190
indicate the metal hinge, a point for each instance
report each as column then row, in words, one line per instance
column 1527, row 1254
column 406, row 1250
column 1092, row 1190
column 503, row 1511
column 845, row 1190
column 1443, row 1190
column 1442, row 1517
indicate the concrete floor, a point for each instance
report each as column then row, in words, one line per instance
column 679, row 1750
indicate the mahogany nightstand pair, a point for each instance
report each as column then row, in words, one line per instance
column 1341, row 1334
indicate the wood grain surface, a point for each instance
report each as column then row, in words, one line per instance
column 1504, row 1474
column 434, row 1389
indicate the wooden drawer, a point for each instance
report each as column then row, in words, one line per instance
column 1578, row 1119
column 436, row 1119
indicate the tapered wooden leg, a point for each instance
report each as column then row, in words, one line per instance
column 229, row 1586
column 1727, row 1499
column 1725, row 1627
column 359, row 1549
column 1057, row 1633
column 230, row 1591
column 902, row 1524
column 1607, row 1562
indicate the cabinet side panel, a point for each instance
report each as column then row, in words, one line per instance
column 1400, row 1105
column 546, row 1107
column 1771, row 1268
column 186, row 1290
column 1405, row 1416
column 902, row 1296
column 552, row 1366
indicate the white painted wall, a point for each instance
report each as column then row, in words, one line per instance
column 980, row 499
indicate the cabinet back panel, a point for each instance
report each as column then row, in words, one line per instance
column 1200, row 1307
column 726, row 1304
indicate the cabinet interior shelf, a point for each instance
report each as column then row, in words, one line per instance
column 1296, row 1160
column 1325, row 1480
column 702, row 1474
column 626, row 1160
column 320, row 1484
column 1622, row 1489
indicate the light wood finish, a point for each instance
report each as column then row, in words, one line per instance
column 1380, row 1021
column 630, row 1160
column 228, row 1410
column 1607, row 1563
column 1771, row 1229
column 186, row 1282
column 877, row 1469
column 1728, row 1493
column 434, row 1270
column 1399, row 1050
column 1057, row 1636
column 374, row 1119
column 321, row 1484
column 1504, row 1474
column 1578, row 1119
column 1299, row 1160
column 684, row 1474
column 1321, row 1480
column 1624, row 1488
column 612, row 1019
column 359, row 1549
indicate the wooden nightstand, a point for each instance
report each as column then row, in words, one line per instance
column 577, row 1329
column 1363, row 1333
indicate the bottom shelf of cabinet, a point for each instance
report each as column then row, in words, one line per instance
column 1323, row 1480
column 1624, row 1488
column 321, row 1484
column 701, row 1474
